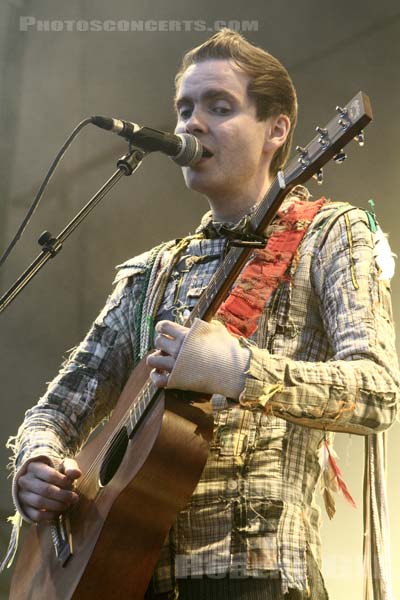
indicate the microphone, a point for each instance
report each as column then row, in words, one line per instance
column 183, row 148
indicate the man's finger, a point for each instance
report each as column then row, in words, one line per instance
column 30, row 484
column 171, row 328
column 160, row 361
column 32, row 500
column 37, row 516
column 168, row 345
column 159, row 379
column 48, row 474
column 70, row 468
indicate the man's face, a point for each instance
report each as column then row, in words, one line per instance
column 212, row 104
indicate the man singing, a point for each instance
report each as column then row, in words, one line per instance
column 303, row 346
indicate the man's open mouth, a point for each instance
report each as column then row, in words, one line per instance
column 206, row 153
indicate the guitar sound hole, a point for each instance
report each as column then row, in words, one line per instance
column 114, row 456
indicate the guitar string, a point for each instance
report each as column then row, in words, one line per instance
column 85, row 481
column 136, row 411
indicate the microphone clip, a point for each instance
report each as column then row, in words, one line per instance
column 131, row 160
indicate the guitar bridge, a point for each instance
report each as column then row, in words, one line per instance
column 61, row 536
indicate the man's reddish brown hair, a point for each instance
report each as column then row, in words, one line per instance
column 270, row 85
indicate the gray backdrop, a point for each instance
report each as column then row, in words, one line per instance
column 50, row 80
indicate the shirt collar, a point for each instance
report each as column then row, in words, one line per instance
column 212, row 229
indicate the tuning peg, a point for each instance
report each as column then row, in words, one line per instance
column 304, row 158
column 343, row 112
column 302, row 151
column 340, row 157
column 324, row 138
column 360, row 139
column 319, row 176
column 344, row 121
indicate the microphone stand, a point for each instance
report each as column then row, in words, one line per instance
column 127, row 165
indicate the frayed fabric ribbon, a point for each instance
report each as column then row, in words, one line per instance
column 267, row 268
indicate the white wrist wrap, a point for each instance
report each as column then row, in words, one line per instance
column 210, row 361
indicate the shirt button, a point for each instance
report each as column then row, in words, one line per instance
column 232, row 485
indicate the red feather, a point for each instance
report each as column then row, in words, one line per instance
column 339, row 478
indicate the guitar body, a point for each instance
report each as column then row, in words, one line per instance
column 118, row 530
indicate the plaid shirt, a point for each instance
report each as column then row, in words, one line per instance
column 323, row 356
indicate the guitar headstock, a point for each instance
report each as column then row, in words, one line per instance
column 329, row 142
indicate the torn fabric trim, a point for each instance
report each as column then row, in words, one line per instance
column 241, row 311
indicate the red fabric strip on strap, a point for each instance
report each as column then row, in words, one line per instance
column 267, row 268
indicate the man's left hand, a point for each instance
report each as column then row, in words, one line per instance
column 168, row 341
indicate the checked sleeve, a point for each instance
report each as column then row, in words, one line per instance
column 84, row 392
column 356, row 389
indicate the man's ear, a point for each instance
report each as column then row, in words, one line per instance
column 276, row 132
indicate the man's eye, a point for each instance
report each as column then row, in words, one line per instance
column 184, row 113
column 221, row 110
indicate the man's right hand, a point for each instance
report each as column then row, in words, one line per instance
column 43, row 492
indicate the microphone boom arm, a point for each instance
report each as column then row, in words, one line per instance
column 51, row 246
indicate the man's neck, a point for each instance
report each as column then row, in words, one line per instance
column 232, row 209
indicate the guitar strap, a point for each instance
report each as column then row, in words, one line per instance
column 267, row 268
